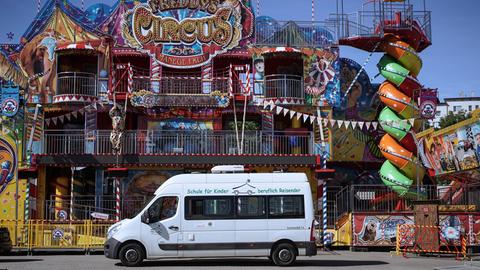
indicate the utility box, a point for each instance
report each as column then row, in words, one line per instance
column 426, row 218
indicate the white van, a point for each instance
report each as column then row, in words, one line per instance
column 220, row 215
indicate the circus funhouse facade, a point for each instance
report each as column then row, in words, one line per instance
column 109, row 102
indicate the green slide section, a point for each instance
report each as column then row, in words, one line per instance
column 392, row 70
column 393, row 124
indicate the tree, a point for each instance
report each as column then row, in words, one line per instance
column 452, row 119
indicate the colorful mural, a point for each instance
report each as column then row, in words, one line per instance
column 360, row 104
column 186, row 34
column 377, row 230
column 454, row 150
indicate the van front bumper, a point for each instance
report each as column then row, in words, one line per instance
column 111, row 248
column 310, row 248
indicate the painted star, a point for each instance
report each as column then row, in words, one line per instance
column 10, row 35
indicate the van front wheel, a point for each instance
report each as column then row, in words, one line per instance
column 284, row 255
column 131, row 254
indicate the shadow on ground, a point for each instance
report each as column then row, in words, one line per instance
column 257, row 263
column 19, row 260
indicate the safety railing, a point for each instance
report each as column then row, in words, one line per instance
column 83, row 207
column 424, row 239
column 284, row 85
column 270, row 32
column 382, row 199
column 34, row 235
column 77, row 83
column 161, row 142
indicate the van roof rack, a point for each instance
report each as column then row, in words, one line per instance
column 228, row 169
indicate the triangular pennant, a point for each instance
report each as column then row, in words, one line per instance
column 361, row 124
column 325, row 122
column 94, row 105
column 47, row 122
column 340, row 123
column 412, row 121
column 332, row 122
column 292, row 113
column 54, row 120
column 285, row 112
column 265, row 104
column 299, row 115
column 347, row 123
column 68, row 116
column 75, row 114
column 279, row 110
column 272, row 106
column 61, row 118
column 312, row 119
column 375, row 125
column 367, row 124
column 100, row 103
column 354, row 124
column 305, row 117
column 81, row 111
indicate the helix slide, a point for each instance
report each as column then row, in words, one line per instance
column 399, row 66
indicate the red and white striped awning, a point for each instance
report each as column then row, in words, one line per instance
column 75, row 46
column 282, row 49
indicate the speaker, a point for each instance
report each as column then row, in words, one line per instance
column 28, row 173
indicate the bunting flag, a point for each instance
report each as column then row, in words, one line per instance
column 361, row 124
column 299, row 115
column 347, row 123
column 325, row 122
column 292, row 113
column 354, row 124
column 312, row 119
column 375, row 125
column 279, row 109
column 305, row 117
column 412, row 121
column 340, row 123
column 285, row 112
column 332, row 122
column 367, row 124
column 69, row 116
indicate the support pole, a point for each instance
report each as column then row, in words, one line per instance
column 71, row 193
column 117, row 199
column 324, row 214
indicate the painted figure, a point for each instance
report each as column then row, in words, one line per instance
column 117, row 114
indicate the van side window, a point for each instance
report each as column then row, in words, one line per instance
column 163, row 208
column 198, row 208
column 286, row 207
column 251, row 207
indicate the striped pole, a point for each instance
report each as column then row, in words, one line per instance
column 39, row 5
column 71, row 194
column 248, row 79
column 117, row 199
column 324, row 212
column 83, row 5
column 27, row 200
column 130, row 79
column 230, row 80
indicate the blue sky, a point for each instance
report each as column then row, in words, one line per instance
column 451, row 64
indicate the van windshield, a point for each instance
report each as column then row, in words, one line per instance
column 140, row 209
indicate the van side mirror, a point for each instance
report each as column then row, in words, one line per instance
column 145, row 218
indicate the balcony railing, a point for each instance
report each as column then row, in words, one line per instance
column 77, row 83
column 285, row 86
column 154, row 142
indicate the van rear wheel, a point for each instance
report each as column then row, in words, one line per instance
column 284, row 255
column 131, row 254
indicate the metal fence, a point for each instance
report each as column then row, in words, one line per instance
column 288, row 86
column 293, row 33
column 81, row 207
column 69, row 142
column 77, row 83
column 34, row 235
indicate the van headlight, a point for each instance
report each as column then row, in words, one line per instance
column 113, row 230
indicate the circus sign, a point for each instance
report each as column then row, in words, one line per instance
column 188, row 33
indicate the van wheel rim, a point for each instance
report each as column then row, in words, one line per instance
column 284, row 255
column 131, row 255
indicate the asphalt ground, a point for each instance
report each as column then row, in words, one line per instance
column 324, row 260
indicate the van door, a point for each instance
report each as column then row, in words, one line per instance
column 161, row 227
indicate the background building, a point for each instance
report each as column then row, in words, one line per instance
column 455, row 105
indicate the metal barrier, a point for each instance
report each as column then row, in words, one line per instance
column 81, row 207
column 34, row 235
column 422, row 239
column 160, row 142
column 77, row 83
column 284, row 85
